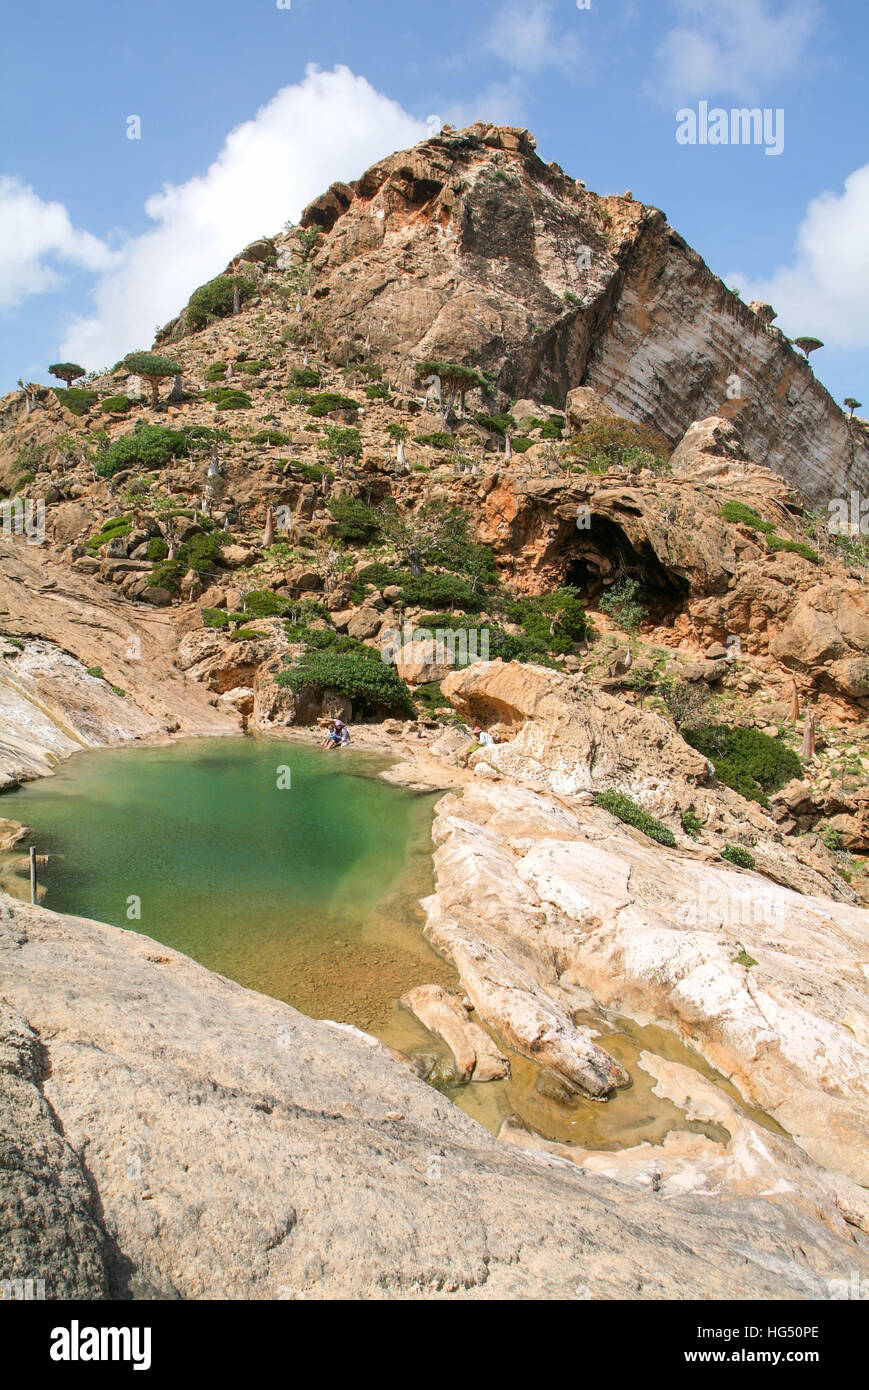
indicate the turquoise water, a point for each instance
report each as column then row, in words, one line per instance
column 296, row 872
column 306, row 891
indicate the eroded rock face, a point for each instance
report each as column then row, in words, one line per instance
column 568, row 737
column 469, row 248
column 765, row 982
column 237, row 1149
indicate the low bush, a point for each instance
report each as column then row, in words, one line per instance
column 76, row 398
column 305, row 376
column 274, row 437
column 794, row 548
column 116, row 405
column 370, row 683
column 441, row 439
column 229, row 398
column 624, row 807
column 498, row 424
column 357, row 523
column 149, row 446
column 691, row 824
column 745, row 760
column 156, row 549
column 327, row 401
column 377, row 391
column 739, row 514
column 215, row 299
column 735, row 854
column 215, row 617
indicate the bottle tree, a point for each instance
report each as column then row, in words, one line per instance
column 852, row 405
column 808, row 345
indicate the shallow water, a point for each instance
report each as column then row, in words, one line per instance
column 296, row 872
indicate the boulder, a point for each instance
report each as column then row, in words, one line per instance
column 366, row 622
column 476, row 1056
column 583, row 404
column 421, row 662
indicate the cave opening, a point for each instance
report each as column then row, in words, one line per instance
column 601, row 554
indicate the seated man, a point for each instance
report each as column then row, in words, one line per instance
column 330, row 738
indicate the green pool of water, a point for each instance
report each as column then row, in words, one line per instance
column 292, row 870
column 298, row 873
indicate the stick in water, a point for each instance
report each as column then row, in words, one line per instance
column 32, row 874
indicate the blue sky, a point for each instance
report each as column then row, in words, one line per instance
column 248, row 111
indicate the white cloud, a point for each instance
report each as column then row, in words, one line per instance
column 33, row 236
column 329, row 126
column 825, row 291
column 734, row 47
column 523, row 36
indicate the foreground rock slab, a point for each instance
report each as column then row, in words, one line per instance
column 236, row 1149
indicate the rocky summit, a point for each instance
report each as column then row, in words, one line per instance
column 494, row 470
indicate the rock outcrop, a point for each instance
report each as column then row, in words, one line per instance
column 236, row 1149
column 469, row 248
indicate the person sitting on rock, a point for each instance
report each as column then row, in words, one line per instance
column 330, row 738
column 341, row 735
column 483, row 738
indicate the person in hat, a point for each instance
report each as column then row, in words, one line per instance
column 484, row 739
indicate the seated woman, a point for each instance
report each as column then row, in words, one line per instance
column 343, row 734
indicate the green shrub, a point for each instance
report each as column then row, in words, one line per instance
column 157, row 549
column 253, row 368
column 298, row 396
column 96, row 672
column 498, row 424
column 735, row 854
column 229, row 398
column 622, row 604
column 439, row 440
column 110, row 530
column 305, row 376
column 274, row 437
column 216, row 371
column 149, row 446
column 314, row 472
column 554, row 427
column 739, row 514
column 116, row 405
column 246, row 634
column 745, row 760
column 691, row 824
column 377, row 391
column 214, row 617
column 215, row 299
column 430, row 696
column 357, row 523
column 327, row 401
column 76, row 398
column 167, row 574
column 624, row 807
column 831, row 837
column 441, row 591
column 554, row 622
column 262, row 603
column 776, row 543
column 604, row 444
column 370, row 683
column 521, row 443
column 743, row 958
